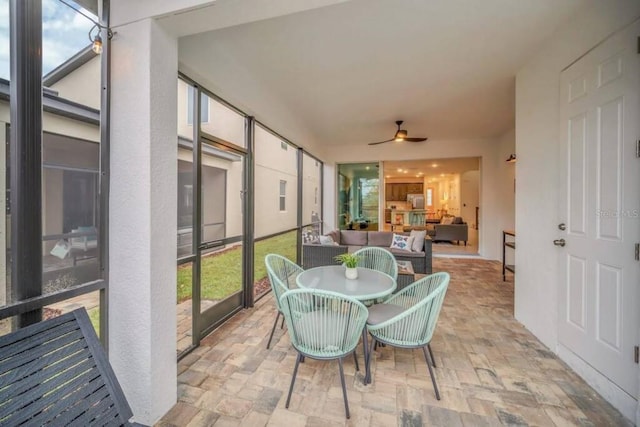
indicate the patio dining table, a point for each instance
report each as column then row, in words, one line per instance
column 370, row 285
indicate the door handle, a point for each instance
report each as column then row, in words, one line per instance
column 562, row 226
column 559, row 242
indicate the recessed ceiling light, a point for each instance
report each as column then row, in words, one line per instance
column 405, row 171
column 399, row 170
column 441, row 174
column 367, row 168
column 434, row 165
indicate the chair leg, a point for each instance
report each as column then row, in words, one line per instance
column 293, row 379
column 344, row 389
column 367, row 377
column 433, row 377
column 355, row 359
column 282, row 324
column 433, row 359
column 273, row 329
column 365, row 350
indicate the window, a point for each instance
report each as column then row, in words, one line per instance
column 315, row 196
column 429, row 196
column 283, row 195
column 204, row 107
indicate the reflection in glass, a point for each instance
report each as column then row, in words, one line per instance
column 358, row 196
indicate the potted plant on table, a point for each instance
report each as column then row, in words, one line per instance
column 350, row 261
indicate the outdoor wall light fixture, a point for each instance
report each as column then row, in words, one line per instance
column 512, row 158
column 97, row 39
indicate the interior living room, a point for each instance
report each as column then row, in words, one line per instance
column 234, row 132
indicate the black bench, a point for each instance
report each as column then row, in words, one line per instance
column 56, row 373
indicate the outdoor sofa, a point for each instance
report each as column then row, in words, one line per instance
column 316, row 254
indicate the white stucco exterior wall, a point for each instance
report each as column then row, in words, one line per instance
column 142, row 246
column 537, row 136
column 537, row 145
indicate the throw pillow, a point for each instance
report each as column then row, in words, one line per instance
column 446, row 220
column 457, row 220
column 418, row 240
column 326, row 240
column 401, row 242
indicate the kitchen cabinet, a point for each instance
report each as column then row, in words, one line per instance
column 397, row 192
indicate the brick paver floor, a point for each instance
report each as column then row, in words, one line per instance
column 490, row 370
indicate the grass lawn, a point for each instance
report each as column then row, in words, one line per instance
column 94, row 316
column 222, row 271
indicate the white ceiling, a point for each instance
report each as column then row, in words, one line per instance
column 430, row 169
column 342, row 74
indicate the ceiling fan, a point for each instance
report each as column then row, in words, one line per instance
column 401, row 135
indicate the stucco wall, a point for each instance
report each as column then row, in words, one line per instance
column 537, row 174
column 537, row 136
column 272, row 164
column 82, row 85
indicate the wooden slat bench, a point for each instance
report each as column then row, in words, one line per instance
column 56, row 373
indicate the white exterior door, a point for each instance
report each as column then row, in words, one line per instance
column 600, row 205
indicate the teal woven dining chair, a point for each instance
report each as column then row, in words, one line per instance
column 282, row 276
column 408, row 319
column 378, row 259
column 322, row 325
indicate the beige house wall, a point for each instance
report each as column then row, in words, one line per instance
column 82, row 85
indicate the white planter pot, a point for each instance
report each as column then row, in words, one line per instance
column 351, row 273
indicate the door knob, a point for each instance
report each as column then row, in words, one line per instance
column 559, row 242
column 562, row 226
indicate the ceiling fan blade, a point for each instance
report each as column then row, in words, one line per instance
column 415, row 139
column 381, row 142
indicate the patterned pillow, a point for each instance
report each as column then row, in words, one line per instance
column 401, row 242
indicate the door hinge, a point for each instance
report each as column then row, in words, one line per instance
column 637, row 255
column 636, row 354
column 638, row 44
column 638, row 148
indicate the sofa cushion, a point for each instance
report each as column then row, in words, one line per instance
column 380, row 238
column 353, row 238
column 404, row 253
